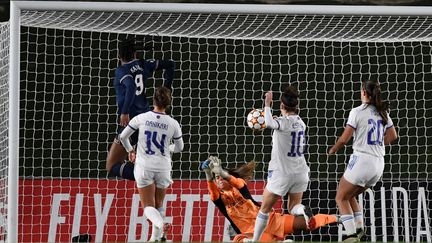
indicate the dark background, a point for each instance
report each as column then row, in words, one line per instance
column 68, row 102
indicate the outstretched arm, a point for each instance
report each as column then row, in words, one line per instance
column 169, row 67
column 214, row 191
column 218, row 170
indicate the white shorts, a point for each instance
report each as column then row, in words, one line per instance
column 280, row 184
column 364, row 170
column 145, row 178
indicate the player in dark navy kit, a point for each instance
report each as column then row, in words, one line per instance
column 130, row 83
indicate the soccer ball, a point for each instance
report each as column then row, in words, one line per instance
column 255, row 119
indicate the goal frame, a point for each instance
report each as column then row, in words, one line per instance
column 14, row 54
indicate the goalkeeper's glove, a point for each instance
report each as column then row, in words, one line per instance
column 217, row 168
column 204, row 166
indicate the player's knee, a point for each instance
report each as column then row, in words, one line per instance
column 109, row 163
column 297, row 209
column 340, row 198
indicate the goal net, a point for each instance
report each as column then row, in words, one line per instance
column 224, row 65
column 4, row 58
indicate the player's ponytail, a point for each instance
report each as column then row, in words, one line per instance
column 290, row 99
column 126, row 50
column 244, row 171
column 162, row 97
column 373, row 91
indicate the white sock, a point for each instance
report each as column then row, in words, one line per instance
column 162, row 213
column 348, row 223
column 260, row 225
column 154, row 216
column 358, row 219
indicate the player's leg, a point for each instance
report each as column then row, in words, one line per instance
column 320, row 220
column 269, row 199
column 358, row 213
column 299, row 185
column 345, row 192
column 163, row 181
column 116, row 163
column 116, row 153
column 148, row 201
column 298, row 223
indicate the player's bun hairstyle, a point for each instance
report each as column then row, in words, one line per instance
column 127, row 49
column 290, row 99
column 244, row 171
column 373, row 91
column 162, row 97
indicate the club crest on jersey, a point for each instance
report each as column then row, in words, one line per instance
column 295, row 125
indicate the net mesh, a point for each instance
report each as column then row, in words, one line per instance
column 4, row 94
column 225, row 63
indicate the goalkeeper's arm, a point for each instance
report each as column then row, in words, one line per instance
column 214, row 191
column 218, row 170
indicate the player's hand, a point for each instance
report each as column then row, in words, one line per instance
column 268, row 99
column 124, row 120
column 132, row 156
column 217, row 168
column 204, row 165
column 213, row 160
column 332, row 150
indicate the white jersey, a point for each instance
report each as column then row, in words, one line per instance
column 288, row 143
column 369, row 130
column 156, row 130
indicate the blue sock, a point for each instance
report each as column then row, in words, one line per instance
column 128, row 171
column 124, row 170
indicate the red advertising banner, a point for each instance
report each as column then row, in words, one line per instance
column 53, row 210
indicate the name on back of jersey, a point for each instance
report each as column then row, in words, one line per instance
column 157, row 125
column 135, row 68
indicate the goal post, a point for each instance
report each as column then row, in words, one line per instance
column 61, row 109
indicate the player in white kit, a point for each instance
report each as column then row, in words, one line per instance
column 372, row 128
column 288, row 171
column 153, row 162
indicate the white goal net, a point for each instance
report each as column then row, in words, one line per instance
column 4, row 59
column 224, row 65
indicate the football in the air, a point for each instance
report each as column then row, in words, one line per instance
column 255, row 119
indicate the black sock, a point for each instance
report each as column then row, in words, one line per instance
column 128, row 171
column 124, row 170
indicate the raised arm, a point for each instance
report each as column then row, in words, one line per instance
column 211, row 185
column 169, row 67
column 268, row 117
column 218, row 170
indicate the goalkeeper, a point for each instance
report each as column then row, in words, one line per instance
column 230, row 194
